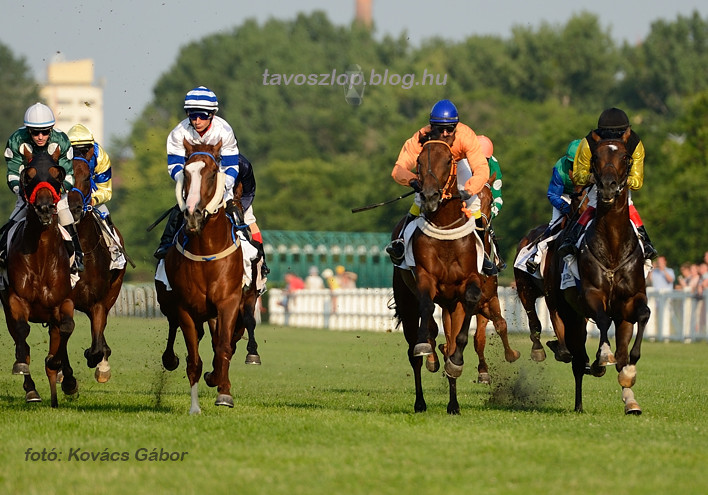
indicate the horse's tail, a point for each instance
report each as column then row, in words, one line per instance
column 392, row 306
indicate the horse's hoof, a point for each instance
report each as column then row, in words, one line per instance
column 209, row 379
column 170, row 362
column 484, row 378
column 20, row 369
column 538, row 355
column 432, row 363
column 32, row 396
column 632, row 407
column 597, row 370
column 422, row 349
column 253, row 359
column 224, row 400
column 452, row 370
column 512, row 355
column 102, row 376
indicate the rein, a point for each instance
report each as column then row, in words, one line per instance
column 451, row 179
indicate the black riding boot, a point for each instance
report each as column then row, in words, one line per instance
column 568, row 246
column 4, row 232
column 501, row 264
column 650, row 252
column 78, row 265
column 488, row 268
column 396, row 248
column 261, row 256
column 174, row 222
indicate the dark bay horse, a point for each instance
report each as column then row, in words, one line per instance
column 38, row 277
column 99, row 286
column 205, row 272
column 529, row 288
column 446, row 273
column 612, row 287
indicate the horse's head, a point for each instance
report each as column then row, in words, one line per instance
column 80, row 196
column 437, row 171
column 41, row 181
column 200, row 192
column 610, row 165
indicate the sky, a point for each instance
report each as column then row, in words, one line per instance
column 134, row 42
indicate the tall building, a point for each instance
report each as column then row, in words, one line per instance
column 73, row 96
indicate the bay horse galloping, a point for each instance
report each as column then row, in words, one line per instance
column 99, row 286
column 205, row 272
column 446, row 272
column 612, row 286
column 38, row 287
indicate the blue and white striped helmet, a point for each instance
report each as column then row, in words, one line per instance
column 39, row 116
column 201, row 98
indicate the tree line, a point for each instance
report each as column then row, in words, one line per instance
column 316, row 156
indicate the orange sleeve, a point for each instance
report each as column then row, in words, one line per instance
column 403, row 171
column 467, row 146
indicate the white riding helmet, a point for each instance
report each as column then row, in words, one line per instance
column 80, row 135
column 201, row 98
column 39, row 116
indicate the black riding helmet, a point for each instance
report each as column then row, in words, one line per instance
column 612, row 123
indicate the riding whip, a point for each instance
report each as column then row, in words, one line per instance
column 162, row 217
column 376, row 205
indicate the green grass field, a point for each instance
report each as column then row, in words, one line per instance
column 332, row 413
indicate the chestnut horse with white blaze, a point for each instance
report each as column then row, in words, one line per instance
column 205, row 272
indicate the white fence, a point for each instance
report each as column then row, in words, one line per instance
column 675, row 315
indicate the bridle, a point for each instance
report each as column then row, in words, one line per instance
column 446, row 192
column 217, row 201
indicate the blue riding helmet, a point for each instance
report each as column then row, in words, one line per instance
column 444, row 112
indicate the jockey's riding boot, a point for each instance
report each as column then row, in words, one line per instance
column 531, row 265
column 261, row 255
column 568, row 246
column 78, row 265
column 650, row 252
column 4, row 232
column 488, row 268
column 501, row 264
column 174, row 222
column 396, row 248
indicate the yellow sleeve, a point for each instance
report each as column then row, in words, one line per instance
column 636, row 173
column 581, row 164
column 102, row 178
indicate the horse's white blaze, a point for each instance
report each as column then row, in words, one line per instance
column 195, row 185
column 613, row 147
column 195, row 409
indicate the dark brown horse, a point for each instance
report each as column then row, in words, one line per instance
column 446, row 273
column 612, row 287
column 99, row 286
column 205, row 273
column 38, row 286
column 529, row 288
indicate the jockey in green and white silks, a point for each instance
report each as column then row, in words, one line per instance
column 38, row 134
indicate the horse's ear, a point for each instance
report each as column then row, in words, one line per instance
column 492, row 178
column 54, row 151
column 26, row 151
column 627, row 133
column 187, row 146
column 595, row 137
column 217, row 148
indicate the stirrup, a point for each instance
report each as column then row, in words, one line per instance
column 488, row 267
column 396, row 250
column 531, row 266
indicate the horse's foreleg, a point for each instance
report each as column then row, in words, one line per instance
column 223, row 350
column 99, row 350
column 500, row 327
column 453, row 407
column 417, row 365
column 249, row 321
column 169, row 359
column 194, row 362
column 426, row 310
column 528, row 296
column 480, row 341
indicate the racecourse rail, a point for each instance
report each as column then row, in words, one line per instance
column 675, row 315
